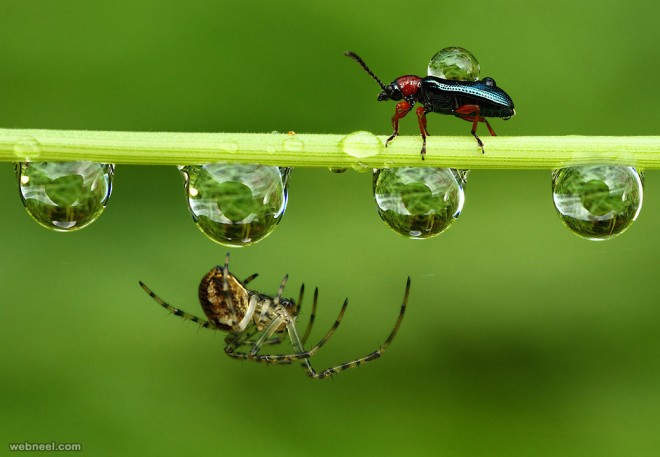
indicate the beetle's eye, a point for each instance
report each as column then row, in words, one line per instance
column 490, row 82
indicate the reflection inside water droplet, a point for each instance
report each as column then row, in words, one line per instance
column 338, row 170
column 454, row 63
column 65, row 196
column 236, row 204
column 597, row 202
column 418, row 202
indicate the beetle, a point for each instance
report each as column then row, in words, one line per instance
column 472, row 101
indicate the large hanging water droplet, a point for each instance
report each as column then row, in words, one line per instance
column 236, row 204
column 418, row 202
column 597, row 201
column 65, row 196
column 454, row 63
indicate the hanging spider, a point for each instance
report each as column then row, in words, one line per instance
column 254, row 319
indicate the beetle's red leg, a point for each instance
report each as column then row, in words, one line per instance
column 490, row 129
column 473, row 113
column 421, row 117
column 402, row 108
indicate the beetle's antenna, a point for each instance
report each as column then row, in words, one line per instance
column 359, row 60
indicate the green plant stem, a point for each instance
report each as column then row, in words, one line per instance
column 321, row 150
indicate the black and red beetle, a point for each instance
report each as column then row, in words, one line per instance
column 473, row 101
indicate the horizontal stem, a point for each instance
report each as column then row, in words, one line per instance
column 359, row 149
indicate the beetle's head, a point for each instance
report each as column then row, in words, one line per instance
column 391, row 92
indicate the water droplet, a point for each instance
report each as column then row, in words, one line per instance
column 418, row 202
column 454, row 63
column 228, row 146
column 65, row 196
column 293, row 144
column 236, row 204
column 338, row 170
column 362, row 168
column 27, row 149
column 597, row 202
column 361, row 144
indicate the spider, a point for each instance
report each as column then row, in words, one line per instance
column 254, row 319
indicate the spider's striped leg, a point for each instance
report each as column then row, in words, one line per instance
column 250, row 278
column 236, row 340
column 311, row 317
column 245, row 330
column 225, row 290
column 249, row 314
column 295, row 342
column 278, row 340
column 298, row 345
column 367, row 358
column 308, row 330
column 280, row 290
column 269, row 307
column 301, row 294
column 240, row 337
column 245, row 338
column 267, row 333
column 176, row 311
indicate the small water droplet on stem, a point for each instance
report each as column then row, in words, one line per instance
column 361, row 144
column 293, row 144
column 27, row 149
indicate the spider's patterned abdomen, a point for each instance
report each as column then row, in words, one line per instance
column 215, row 300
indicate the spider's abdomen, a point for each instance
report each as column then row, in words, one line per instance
column 215, row 300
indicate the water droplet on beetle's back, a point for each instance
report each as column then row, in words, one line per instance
column 454, row 63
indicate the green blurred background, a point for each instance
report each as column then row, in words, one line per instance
column 521, row 338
